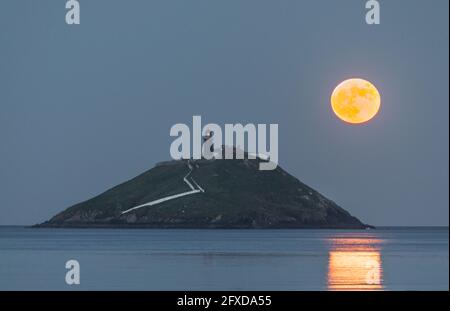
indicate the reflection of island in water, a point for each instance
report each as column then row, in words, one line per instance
column 355, row 264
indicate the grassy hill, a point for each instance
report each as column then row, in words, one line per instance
column 237, row 195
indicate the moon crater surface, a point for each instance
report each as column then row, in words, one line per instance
column 355, row 101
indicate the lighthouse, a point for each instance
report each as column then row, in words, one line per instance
column 208, row 135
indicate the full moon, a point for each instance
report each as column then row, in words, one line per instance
column 355, row 101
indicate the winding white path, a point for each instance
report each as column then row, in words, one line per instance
column 175, row 196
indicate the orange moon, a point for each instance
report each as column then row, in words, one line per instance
column 355, row 101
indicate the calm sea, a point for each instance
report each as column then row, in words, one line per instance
column 382, row 259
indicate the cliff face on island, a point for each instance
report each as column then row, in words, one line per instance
column 208, row 194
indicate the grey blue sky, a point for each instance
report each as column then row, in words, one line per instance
column 83, row 108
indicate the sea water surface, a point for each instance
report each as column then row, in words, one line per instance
column 135, row 259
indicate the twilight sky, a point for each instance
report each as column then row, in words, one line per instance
column 83, row 108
